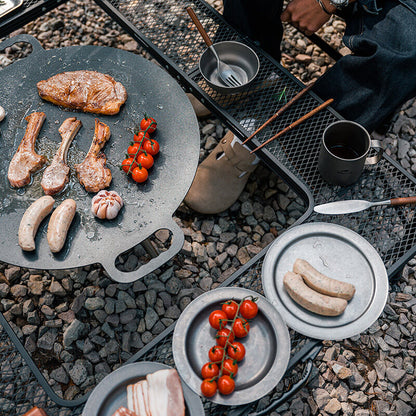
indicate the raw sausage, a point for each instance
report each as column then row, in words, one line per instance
column 35, row 412
column 311, row 300
column 59, row 224
column 31, row 219
column 322, row 283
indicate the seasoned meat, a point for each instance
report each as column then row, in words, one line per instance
column 92, row 172
column 26, row 161
column 56, row 174
column 89, row 91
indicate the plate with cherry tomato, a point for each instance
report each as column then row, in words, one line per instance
column 231, row 346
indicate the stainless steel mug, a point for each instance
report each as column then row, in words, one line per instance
column 343, row 153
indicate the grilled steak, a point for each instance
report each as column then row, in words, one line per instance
column 26, row 161
column 92, row 173
column 89, row 91
column 56, row 174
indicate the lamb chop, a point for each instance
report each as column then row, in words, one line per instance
column 92, row 172
column 56, row 175
column 89, row 91
column 26, row 161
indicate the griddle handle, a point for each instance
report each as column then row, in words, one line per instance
column 36, row 46
column 128, row 277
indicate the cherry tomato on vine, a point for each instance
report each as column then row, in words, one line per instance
column 230, row 308
column 222, row 335
column 208, row 387
column 146, row 122
column 209, row 370
column 218, row 319
column 230, row 367
column 249, row 309
column 133, row 149
column 146, row 160
column 216, row 353
column 236, row 351
column 125, row 165
column 139, row 174
column 226, row 385
column 151, row 146
column 139, row 136
column 241, row 327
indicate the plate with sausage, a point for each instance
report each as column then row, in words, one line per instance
column 325, row 280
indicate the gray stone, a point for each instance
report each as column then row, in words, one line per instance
column 173, row 286
column 18, row 291
column 47, row 340
column 4, row 290
column 127, row 316
column 73, row 332
column 173, row 312
column 60, row 375
column 94, row 303
column 78, row 373
column 403, row 409
column 356, row 381
column 57, row 289
column 321, row 397
column 333, row 406
column 358, row 397
column 395, row 374
column 150, row 318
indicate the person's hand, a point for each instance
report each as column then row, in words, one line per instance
column 307, row 15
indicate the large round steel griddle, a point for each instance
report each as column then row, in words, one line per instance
column 148, row 207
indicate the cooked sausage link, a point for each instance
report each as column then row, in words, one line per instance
column 321, row 283
column 311, row 300
column 59, row 224
column 31, row 220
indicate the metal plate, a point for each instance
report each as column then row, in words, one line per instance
column 336, row 252
column 9, row 6
column 267, row 346
column 148, row 207
column 111, row 392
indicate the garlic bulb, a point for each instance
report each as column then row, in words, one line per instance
column 106, row 204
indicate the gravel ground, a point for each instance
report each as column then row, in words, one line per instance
column 79, row 326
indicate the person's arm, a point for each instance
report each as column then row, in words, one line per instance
column 307, row 15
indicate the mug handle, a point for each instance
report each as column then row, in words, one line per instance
column 372, row 160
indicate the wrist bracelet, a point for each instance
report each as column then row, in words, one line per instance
column 323, row 7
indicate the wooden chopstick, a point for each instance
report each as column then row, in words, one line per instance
column 296, row 123
column 280, row 111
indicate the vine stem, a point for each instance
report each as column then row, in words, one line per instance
column 227, row 342
column 140, row 146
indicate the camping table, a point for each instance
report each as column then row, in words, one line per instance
column 163, row 28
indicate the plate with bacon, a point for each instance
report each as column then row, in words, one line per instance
column 143, row 389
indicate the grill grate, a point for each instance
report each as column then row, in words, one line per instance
column 389, row 229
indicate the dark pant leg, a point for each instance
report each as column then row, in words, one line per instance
column 380, row 74
column 259, row 20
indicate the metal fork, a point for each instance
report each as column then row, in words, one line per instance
column 226, row 73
